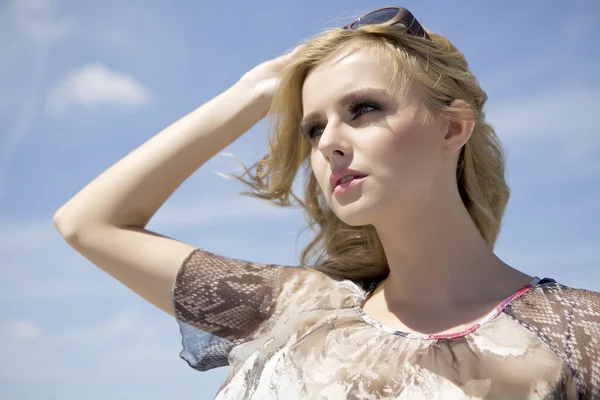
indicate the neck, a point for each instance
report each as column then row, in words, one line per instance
column 437, row 258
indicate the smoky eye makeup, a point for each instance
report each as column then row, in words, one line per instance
column 360, row 102
column 355, row 104
column 308, row 126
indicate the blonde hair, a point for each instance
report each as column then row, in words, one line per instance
column 355, row 252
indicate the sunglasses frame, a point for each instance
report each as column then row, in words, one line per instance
column 402, row 17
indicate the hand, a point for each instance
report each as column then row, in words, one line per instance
column 264, row 79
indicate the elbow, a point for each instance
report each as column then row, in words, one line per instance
column 75, row 228
column 66, row 224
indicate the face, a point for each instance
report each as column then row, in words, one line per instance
column 387, row 148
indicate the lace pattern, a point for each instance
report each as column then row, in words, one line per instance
column 295, row 333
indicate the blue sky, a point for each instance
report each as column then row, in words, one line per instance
column 84, row 83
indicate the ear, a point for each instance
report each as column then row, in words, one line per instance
column 459, row 131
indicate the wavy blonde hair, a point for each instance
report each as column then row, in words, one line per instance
column 355, row 252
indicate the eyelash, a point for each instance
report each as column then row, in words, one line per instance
column 307, row 128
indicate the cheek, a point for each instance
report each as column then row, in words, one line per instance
column 407, row 156
column 319, row 169
column 410, row 138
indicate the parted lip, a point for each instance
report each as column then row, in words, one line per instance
column 340, row 173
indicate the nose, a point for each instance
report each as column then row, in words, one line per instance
column 334, row 141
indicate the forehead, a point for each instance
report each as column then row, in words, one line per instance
column 348, row 71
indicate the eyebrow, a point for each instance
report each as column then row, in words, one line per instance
column 348, row 98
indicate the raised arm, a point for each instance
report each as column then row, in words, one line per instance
column 106, row 220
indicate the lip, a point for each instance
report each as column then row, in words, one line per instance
column 345, row 187
column 341, row 173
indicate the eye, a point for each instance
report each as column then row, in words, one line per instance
column 357, row 110
column 307, row 129
column 311, row 129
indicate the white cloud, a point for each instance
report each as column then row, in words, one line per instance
column 130, row 324
column 204, row 213
column 28, row 30
column 18, row 236
column 23, row 330
column 53, row 271
column 565, row 114
column 550, row 136
column 34, row 19
column 131, row 346
column 96, row 85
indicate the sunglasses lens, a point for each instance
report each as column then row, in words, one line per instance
column 376, row 17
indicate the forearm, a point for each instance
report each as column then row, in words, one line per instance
column 131, row 191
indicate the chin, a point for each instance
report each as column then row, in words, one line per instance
column 356, row 213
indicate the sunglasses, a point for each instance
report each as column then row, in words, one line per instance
column 391, row 16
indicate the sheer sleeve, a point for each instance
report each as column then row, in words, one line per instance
column 568, row 321
column 220, row 302
column 582, row 339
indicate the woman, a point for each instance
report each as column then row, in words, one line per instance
column 400, row 294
